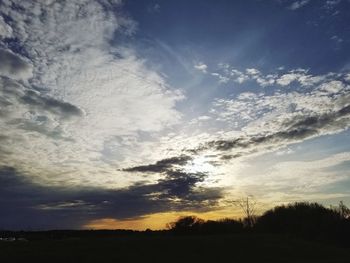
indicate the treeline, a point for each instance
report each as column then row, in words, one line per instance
column 302, row 219
column 305, row 220
column 67, row 234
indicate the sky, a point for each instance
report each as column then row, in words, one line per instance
column 128, row 114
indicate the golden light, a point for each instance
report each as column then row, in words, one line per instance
column 157, row 221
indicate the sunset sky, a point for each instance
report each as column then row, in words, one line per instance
column 128, row 114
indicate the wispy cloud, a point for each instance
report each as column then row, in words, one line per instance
column 298, row 4
column 154, row 8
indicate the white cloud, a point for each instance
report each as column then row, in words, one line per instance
column 330, row 4
column 204, row 118
column 226, row 73
column 258, row 111
column 252, row 71
column 76, row 70
column 331, row 87
column 286, row 79
column 271, row 122
column 347, row 77
column 298, row 4
column 201, row 67
column 221, row 78
column 5, row 29
column 238, row 76
column 337, row 39
column 269, row 80
column 284, row 151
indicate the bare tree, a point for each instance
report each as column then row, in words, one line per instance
column 248, row 205
column 342, row 210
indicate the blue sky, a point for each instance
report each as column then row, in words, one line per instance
column 250, row 33
column 123, row 113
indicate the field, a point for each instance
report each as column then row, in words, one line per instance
column 168, row 248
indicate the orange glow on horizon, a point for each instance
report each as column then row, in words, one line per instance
column 156, row 221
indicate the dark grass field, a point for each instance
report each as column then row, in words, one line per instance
column 167, row 248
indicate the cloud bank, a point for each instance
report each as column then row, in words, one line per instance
column 72, row 94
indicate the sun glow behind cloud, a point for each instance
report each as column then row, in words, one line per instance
column 200, row 164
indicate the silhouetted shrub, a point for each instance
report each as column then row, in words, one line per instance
column 186, row 224
column 310, row 220
column 195, row 225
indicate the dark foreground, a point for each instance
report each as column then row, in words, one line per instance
column 169, row 248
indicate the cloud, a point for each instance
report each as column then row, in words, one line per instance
column 298, row 4
column 178, row 183
column 297, row 114
column 162, row 165
column 61, row 108
column 90, row 130
column 256, row 123
column 280, row 78
column 201, row 67
column 25, row 204
column 295, row 129
column 71, row 97
column 222, row 79
column 302, row 179
column 330, row 4
column 5, row 29
column 286, row 79
column 14, row 66
column 252, row 71
column 337, row 39
column 154, row 8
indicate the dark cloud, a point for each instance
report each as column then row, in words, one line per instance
column 38, row 108
column 34, row 100
column 64, row 109
column 161, row 166
column 177, row 184
column 13, row 65
column 24, row 204
column 54, row 133
column 227, row 157
column 294, row 130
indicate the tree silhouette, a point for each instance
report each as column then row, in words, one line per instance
column 248, row 205
column 310, row 220
column 186, row 224
column 195, row 225
column 342, row 209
